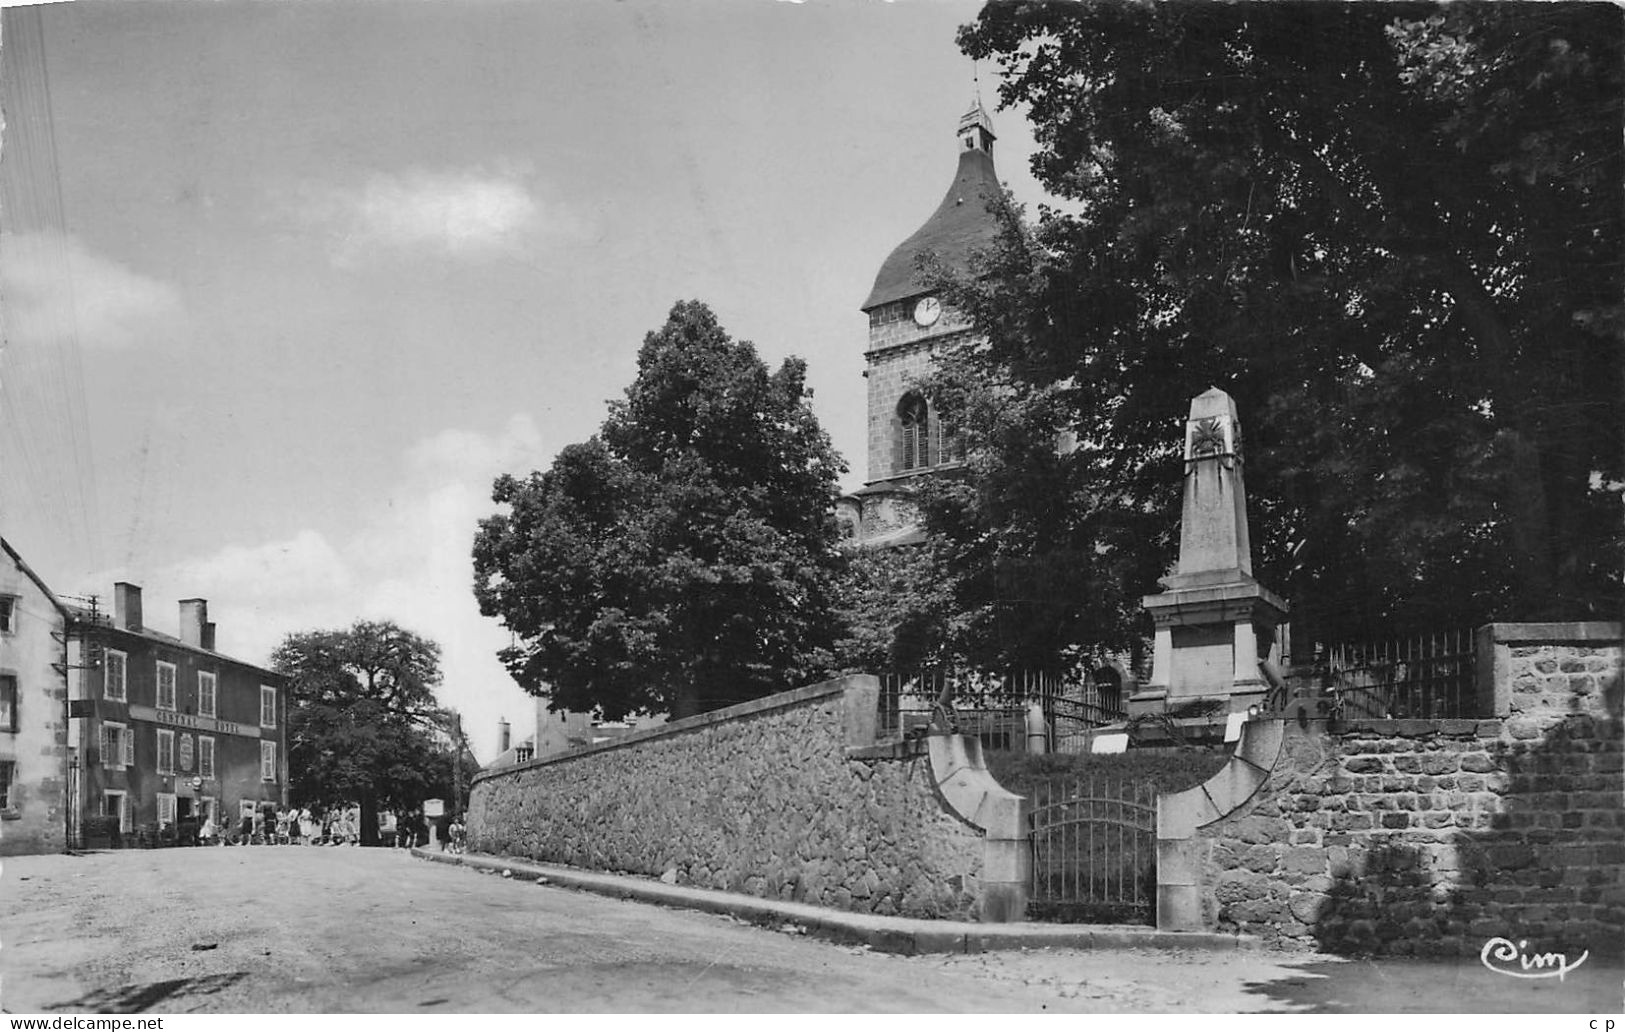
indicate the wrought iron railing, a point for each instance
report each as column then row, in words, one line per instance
column 1429, row 676
column 994, row 707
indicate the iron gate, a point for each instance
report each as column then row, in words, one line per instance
column 1094, row 843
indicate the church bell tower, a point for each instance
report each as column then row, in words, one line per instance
column 907, row 326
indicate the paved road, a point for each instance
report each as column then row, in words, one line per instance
column 279, row 929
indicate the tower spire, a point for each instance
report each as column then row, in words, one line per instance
column 976, row 128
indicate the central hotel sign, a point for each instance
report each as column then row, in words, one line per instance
column 187, row 720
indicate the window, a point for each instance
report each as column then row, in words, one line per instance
column 166, row 751
column 245, row 809
column 915, row 419
column 8, row 613
column 8, row 770
column 118, row 804
column 166, row 685
column 8, row 703
column 118, row 745
column 205, row 694
column 113, row 676
column 166, row 809
column 267, row 761
column 267, row 706
column 205, row 756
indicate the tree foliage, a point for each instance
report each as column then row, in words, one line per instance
column 899, row 611
column 1391, row 231
column 363, row 723
column 682, row 559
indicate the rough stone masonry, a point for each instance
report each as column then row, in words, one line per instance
column 777, row 798
column 1433, row 836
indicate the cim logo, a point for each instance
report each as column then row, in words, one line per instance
column 1504, row 957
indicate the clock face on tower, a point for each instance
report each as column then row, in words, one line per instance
column 928, row 311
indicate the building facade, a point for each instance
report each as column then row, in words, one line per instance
column 175, row 732
column 908, row 326
column 33, row 712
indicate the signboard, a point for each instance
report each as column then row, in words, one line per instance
column 187, row 720
column 1232, row 726
column 1108, row 745
column 434, row 807
column 186, row 752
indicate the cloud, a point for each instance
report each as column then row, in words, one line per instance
column 466, row 214
column 470, row 452
column 268, row 574
column 53, row 286
column 409, row 561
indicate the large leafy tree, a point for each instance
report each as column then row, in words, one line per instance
column 684, row 558
column 898, row 610
column 1391, row 231
column 363, row 723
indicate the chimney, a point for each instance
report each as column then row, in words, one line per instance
column 126, row 606
column 194, row 618
column 208, row 635
column 504, row 733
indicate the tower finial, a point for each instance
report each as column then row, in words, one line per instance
column 975, row 128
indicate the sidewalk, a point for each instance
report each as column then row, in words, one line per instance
column 906, row 935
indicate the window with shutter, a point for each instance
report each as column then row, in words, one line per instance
column 118, row 745
column 113, row 675
column 267, row 761
column 267, row 706
column 205, row 756
column 166, row 685
column 166, row 751
column 205, row 694
column 8, row 703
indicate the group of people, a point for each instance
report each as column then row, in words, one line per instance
column 273, row 826
column 338, row 826
column 412, row 829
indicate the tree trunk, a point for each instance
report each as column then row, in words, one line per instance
column 369, row 820
column 687, row 702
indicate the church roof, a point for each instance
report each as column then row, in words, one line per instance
column 961, row 224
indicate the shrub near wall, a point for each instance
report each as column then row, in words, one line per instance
column 1434, row 836
column 772, row 798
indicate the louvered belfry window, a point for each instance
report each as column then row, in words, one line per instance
column 915, row 418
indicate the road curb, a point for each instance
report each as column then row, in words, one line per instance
column 887, row 934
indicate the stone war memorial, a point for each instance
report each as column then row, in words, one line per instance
column 1214, row 622
column 1326, row 828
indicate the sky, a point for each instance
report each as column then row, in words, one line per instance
column 286, row 285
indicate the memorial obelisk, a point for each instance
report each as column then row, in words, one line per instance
column 1214, row 622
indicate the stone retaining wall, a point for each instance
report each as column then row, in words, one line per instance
column 1434, row 836
column 785, row 798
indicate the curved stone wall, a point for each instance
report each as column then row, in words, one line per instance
column 785, row 798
